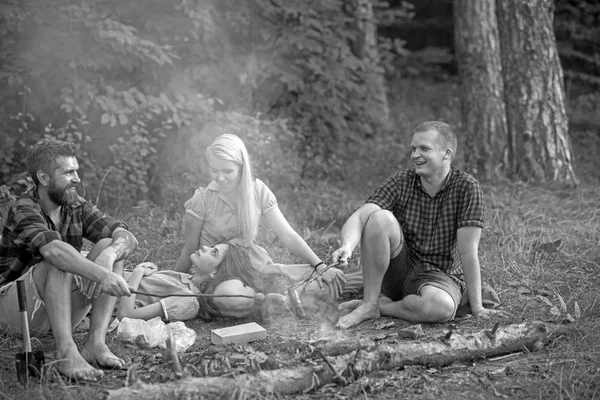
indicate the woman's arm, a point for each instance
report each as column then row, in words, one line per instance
column 296, row 272
column 127, row 304
column 192, row 230
column 275, row 221
column 305, row 273
column 297, row 246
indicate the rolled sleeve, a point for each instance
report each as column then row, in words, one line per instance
column 98, row 225
column 179, row 308
column 471, row 207
column 387, row 194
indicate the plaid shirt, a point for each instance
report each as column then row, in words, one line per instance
column 430, row 225
column 29, row 227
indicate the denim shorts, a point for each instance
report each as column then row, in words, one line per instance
column 406, row 275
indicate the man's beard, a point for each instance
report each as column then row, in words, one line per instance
column 62, row 196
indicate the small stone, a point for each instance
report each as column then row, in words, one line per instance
column 411, row 332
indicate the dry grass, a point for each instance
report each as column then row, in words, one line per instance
column 520, row 221
column 541, row 246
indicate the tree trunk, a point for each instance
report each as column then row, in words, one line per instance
column 539, row 147
column 367, row 48
column 363, row 359
column 482, row 90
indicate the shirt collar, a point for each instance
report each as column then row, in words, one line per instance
column 214, row 186
column 445, row 183
column 447, row 180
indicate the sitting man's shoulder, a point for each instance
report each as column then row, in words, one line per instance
column 464, row 177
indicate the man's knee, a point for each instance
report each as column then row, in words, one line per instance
column 440, row 305
column 383, row 224
column 98, row 248
column 382, row 219
column 42, row 273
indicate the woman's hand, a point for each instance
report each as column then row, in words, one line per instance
column 334, row 277
column 148, row 268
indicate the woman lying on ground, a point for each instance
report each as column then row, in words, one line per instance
column 234, row 204
column 224, row 269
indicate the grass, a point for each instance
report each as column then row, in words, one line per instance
column 540, row 247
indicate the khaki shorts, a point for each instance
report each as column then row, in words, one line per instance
column 10, row 317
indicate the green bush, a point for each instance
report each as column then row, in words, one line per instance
column 135, row 84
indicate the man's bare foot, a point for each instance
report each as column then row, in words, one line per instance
column 72, row 365
column 362, row 313
column 349, row 305
column 99, row 355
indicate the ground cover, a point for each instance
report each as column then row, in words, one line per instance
column 540, row 249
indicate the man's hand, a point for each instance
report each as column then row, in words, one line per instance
column 114, row 285
column 341, row 255
column 148, row 268
column 106, row 260
column 487, row 313
column 335, row 278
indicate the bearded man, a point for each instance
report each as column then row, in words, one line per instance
column 40, row 245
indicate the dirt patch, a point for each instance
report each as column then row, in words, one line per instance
column 291, row 342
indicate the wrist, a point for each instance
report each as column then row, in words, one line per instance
column 317, row 265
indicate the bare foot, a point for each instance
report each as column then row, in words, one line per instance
column 362, row 313
column 349, row 305
column 99, row 354
column 72, row 365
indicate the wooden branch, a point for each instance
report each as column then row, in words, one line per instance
column 430, row 352
column 171, row 355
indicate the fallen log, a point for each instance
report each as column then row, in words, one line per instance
column 432, row 352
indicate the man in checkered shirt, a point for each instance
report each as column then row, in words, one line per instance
column 419, row 235
column 40, row 245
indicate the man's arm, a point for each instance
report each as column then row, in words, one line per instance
column 122, row 245
column 468, row 247
column 352, row 232
column 66, row 258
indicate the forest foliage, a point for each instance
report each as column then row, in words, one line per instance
column 141, row 86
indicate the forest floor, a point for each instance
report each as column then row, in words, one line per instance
column 540, row 250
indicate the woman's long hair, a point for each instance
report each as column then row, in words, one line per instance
column 236, row 264
column 231, row 148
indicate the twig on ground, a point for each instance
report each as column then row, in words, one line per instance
column 337, row 378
